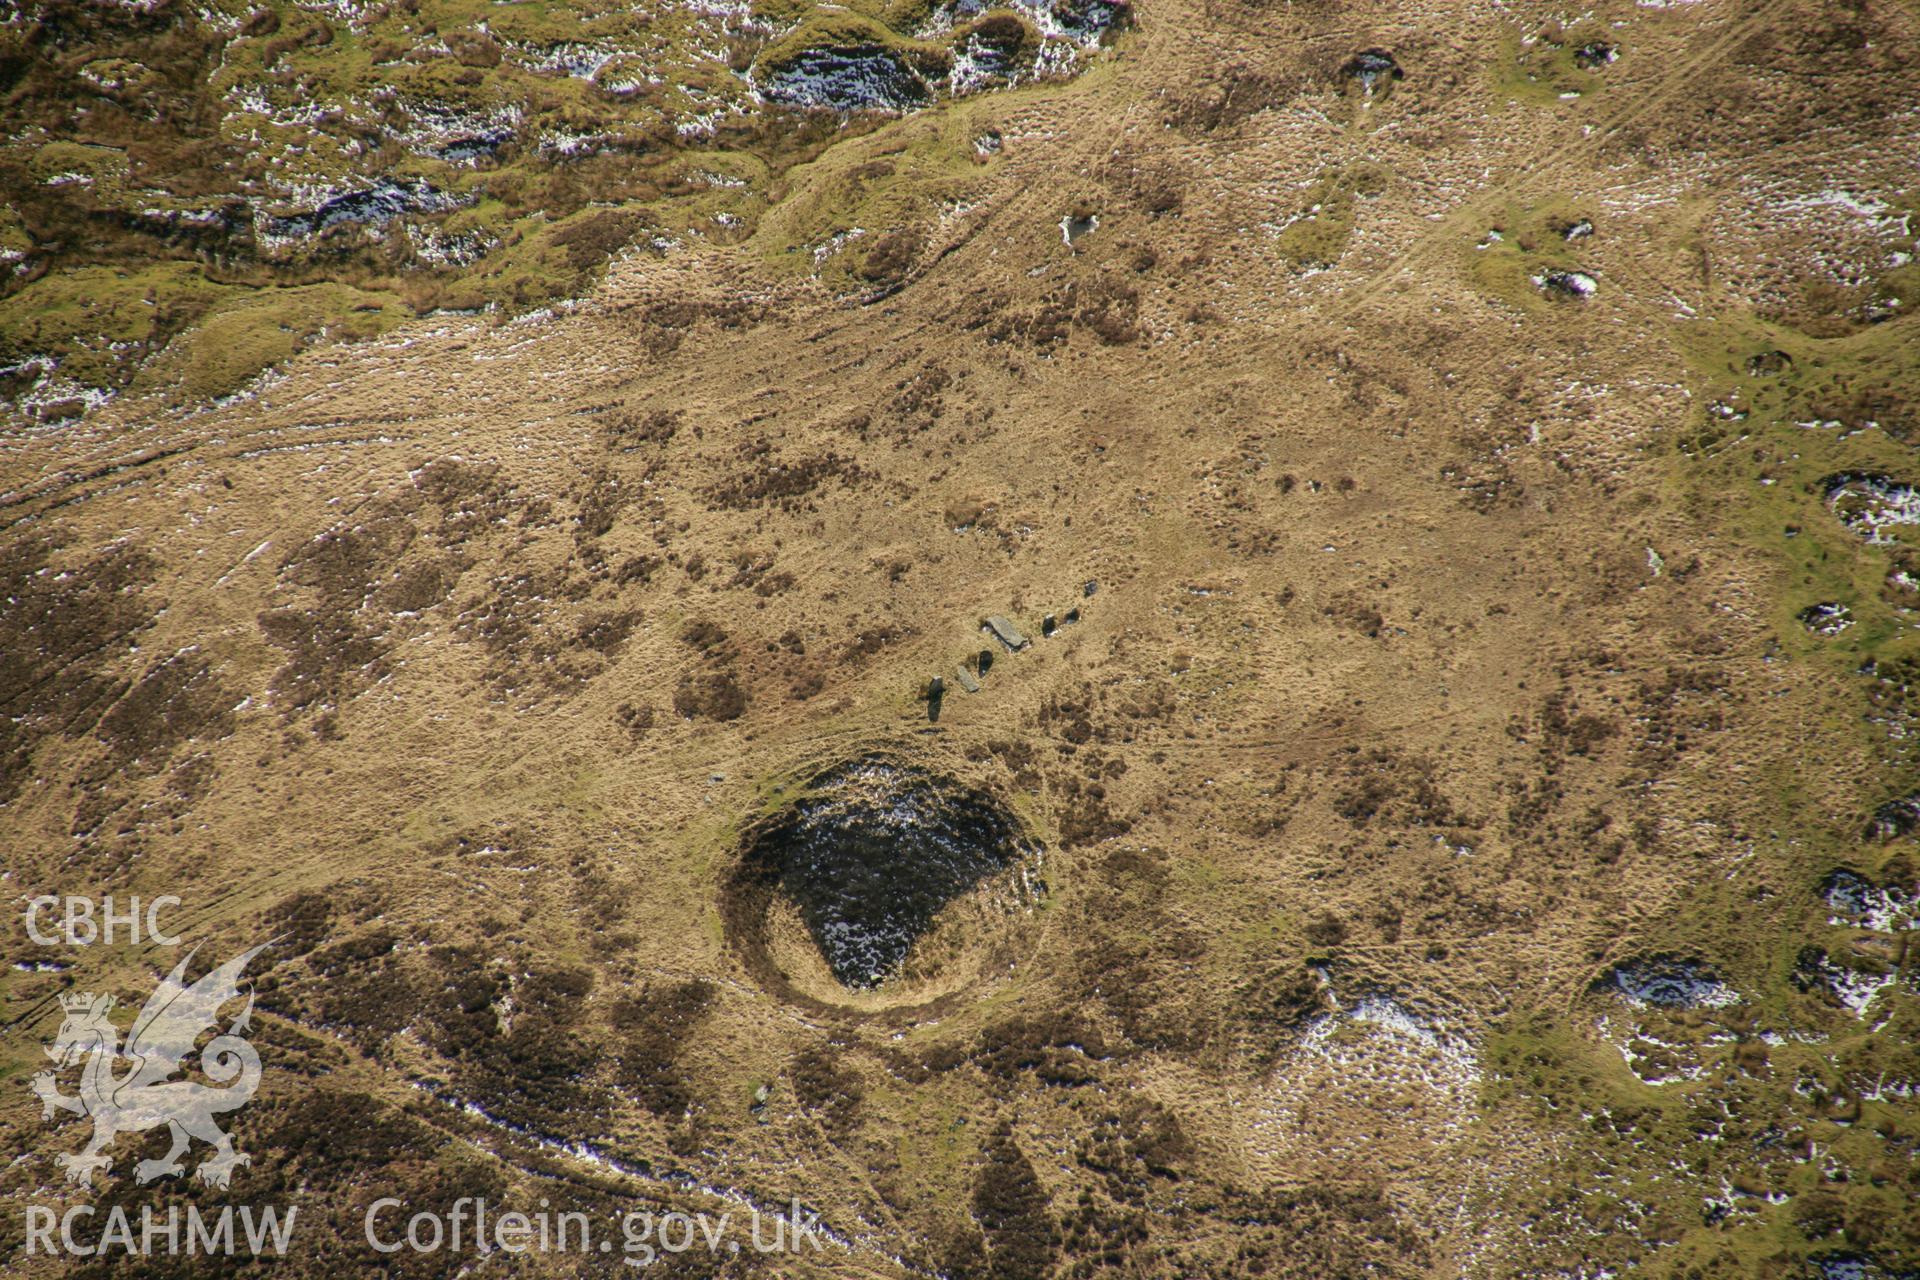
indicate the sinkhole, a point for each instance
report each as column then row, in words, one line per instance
column 1670, row 982
column 868, row 857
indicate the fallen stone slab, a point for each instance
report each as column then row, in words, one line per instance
column 1005, row 632
column 967, row 682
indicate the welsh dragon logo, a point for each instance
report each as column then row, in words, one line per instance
column 145, row 1096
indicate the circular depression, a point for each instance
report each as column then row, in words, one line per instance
column 882, row 886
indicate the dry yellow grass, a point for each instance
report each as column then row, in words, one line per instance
column 1442, row 657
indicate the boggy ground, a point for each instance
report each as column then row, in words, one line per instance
column 1439, row 800
column 192, row 191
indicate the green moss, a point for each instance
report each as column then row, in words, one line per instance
column 1744, row 465
column 1011, row 34
column 1522, row 242
column 1761, row 472
column 897, row 178
column 1545, row 1060
column 852, row 31
column 373, row 81
column 1317, row 235
column 105, row 165
column 14, row 238
column 540, row 262
column 906, row 16
column 252, row 333
column 1542, row 68
column 100, row 322
column 1902, row 283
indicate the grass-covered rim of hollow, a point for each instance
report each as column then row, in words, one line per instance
column 869, row 853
